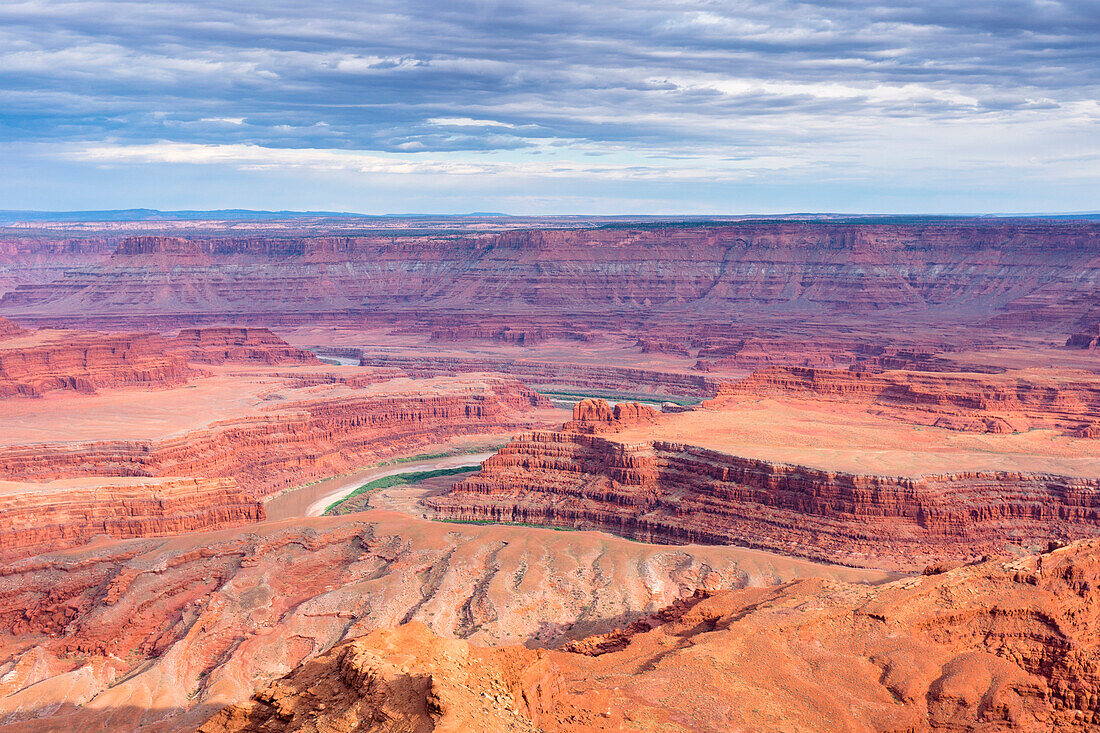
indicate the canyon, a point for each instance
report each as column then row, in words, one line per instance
column 237, row 414
column 839, row 475
column 660, row 491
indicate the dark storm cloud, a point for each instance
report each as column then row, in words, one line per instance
column 474, row 76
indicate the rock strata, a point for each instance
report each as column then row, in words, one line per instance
column 983, row 403
column 85, row 362
column 9, row 329
column 1009, row 644
column 661, row 491
column 1023, row 273
column 51, row 516
column 186, row 625
column 611, row 378
column 218, row 345
column 290, row 442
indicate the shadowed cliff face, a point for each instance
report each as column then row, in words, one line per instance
column 1006, row 644
column 1019, row 272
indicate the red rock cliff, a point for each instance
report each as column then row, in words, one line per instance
column 292, row 442
column 85, row 362
column 1026, row 273
column 52, row 516
column 221, row 344
column 669, row 492
column 997, row 403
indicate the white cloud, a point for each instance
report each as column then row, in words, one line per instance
column 256, row 157
column 465, row 122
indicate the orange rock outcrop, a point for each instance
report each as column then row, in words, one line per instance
column 218, row 345
column 994, row 403
column 289, row 443
column 84, row 362
column 158, row 634
column 32, row 364
column 9, row 329
column 39, row 517
column 1009, row 644
column 597, row 416
column 662, row 491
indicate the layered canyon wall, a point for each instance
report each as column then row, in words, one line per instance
column 40, row 517
column 1005, row 403
column 948, row 271
column 573, row 374
column 218, row 345
column 291, row 443
column 86, row 361
column 660, row 491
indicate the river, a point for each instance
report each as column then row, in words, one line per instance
column 313, row 499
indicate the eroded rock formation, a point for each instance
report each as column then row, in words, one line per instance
column 597, row 416
column 1009, row 644
column 673, row 492
column 994, row 403
column 218, row 345
column 157, row 635
column 606, row 377
column 39, row 517
column 9, row 329
column 85, row 362
column 290, row 443
column 1022, row 272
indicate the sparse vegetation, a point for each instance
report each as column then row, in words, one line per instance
column 620, row 397
column 413, row 477
column 510, row 524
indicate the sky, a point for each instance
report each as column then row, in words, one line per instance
column 552, row 106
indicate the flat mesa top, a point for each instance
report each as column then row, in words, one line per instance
column 229, row 392
column 835, row 436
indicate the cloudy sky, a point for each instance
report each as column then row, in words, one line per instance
column 551, row 106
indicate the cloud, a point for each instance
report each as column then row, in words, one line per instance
column 832, row 88
column 255, row 157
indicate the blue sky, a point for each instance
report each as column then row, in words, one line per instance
column 551, row 107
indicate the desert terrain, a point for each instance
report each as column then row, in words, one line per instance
column 347, row 475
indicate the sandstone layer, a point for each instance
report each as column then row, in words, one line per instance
column 218, row 345
column 174, row 434
column 159, row 634
column 676, row 492
column 1001, row 403
column 1010, row 644
column 84, row 362
column 289, row 443
column 548, row 373
column 9, row 329
column 1022, row 273
column 38, row 517
column 33, row 363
